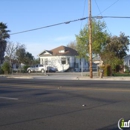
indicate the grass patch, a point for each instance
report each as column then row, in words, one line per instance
column 121, row 74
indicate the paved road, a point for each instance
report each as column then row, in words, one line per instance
column 63, row 105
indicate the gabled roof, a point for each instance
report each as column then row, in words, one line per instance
column 126, row 56
column 61, row 51
column 46, row 52
column 96, row 58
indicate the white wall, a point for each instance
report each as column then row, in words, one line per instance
column 127, row 62
column 51, row 59
column 74, row 62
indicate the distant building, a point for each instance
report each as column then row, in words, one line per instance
column 63, row 58
column 14, row 64
column 97, row 60
column 127, row 62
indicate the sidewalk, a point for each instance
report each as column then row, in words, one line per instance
column 107, row 78
column 64, row 77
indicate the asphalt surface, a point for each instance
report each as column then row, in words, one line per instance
column 35, row 104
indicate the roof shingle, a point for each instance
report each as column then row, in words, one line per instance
column 66, row 51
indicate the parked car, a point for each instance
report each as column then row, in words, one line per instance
column 37, row 68
column 51, row 69
column 41, row 68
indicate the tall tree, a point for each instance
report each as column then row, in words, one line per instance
column 72, row 45
column 23, row 56
column 118, row 45
column 36, row 61
column 11, row 49
column 4, row 35
column 99, row 37
column 29, row 58
column 111, row 59
column 20, row 54
column 115, row 49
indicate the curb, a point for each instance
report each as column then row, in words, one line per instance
column 67, row 78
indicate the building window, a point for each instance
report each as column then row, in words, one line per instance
column 63, row 61
column 42, row 61
column 46, row 61
column 68, row 60
column 77, row 65
column 62, row 51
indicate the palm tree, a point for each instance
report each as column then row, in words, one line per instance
column 4, row 35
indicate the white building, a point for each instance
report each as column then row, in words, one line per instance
column 127, row 62
column 97, row 60
column 63, row 58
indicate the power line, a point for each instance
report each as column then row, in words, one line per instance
column 67, row 22
column 83, row 12
column 109, row 6
column 122, row 17
column 101, row 14
column 84, row 7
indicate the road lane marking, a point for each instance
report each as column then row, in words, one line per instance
column 9, row 98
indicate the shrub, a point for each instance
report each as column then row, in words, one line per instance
column 1, row 71
column 6, row 67
column 25, row 68
column 106, row 70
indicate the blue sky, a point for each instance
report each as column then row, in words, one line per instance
column 20, row 15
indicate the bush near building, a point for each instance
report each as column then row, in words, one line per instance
column 6, row 67
column 106, row 70
column 1, row 71
column 25, row 68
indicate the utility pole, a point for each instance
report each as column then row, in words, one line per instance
column 90, row 39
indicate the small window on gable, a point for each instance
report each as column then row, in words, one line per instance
column 61, row 51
